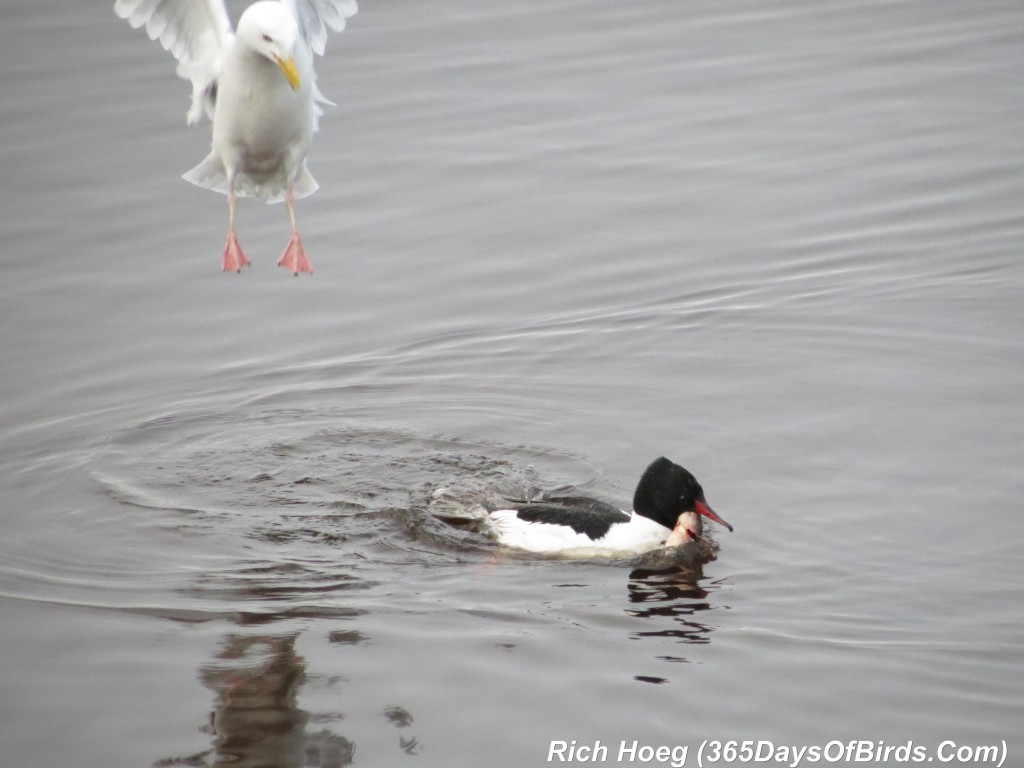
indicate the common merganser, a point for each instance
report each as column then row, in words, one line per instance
column 668, row 505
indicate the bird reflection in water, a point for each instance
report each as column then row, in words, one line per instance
column 665, row 585
column 257, row 721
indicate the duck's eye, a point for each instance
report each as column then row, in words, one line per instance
column 266, row 39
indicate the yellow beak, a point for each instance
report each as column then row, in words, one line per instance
column 290, row 72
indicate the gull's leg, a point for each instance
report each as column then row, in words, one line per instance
column 234, row 259
column 294, row 256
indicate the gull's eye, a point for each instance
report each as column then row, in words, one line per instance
column 266, row 39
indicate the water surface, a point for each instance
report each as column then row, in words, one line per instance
column 778, row 243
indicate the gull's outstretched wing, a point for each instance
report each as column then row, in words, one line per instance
column 196, row 32
column 316, row 16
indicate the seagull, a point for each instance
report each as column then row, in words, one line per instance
column 257, row 86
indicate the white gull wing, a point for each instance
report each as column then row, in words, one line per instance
column 196, row 32
column 316, row 16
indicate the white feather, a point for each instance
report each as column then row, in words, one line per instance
column 637, row 535
column 196, row 32
column 316, row 16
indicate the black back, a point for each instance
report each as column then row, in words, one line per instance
column 590, row 517
column 666, row 489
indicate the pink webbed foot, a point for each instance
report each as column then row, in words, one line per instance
column 234, row 259
column 294, row 257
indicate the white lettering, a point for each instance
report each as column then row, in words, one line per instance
column 863, row 751
column 633, row 752
column 568, row 752
column 942, row 755
column 986, row 754
column 831, row 755
column 557, row 748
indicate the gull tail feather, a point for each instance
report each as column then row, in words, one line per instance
column 210, row 174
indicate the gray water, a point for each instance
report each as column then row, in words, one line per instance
column 781, row 243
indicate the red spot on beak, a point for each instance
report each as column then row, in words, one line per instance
column 703, row 509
